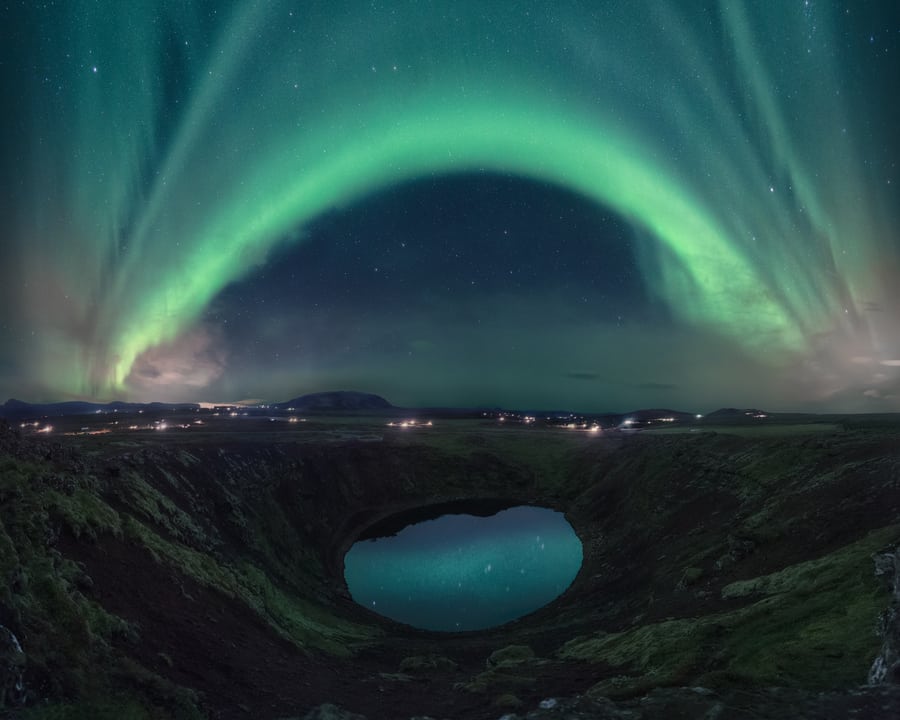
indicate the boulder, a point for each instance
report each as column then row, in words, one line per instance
column 12, row 666
column 886, row 667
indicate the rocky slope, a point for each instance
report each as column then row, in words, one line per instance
column 203, row 577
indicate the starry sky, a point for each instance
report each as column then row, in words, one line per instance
column 582, row 205
column 462, row 572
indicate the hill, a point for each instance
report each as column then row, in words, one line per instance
column 340, row 400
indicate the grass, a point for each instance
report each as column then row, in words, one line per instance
column 810, row 625
column 306, row 625
column 67, row 637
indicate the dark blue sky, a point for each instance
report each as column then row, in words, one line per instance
column 436, row 251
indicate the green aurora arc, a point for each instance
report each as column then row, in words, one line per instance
column 170, row 148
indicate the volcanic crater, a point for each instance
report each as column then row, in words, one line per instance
column 203, row 575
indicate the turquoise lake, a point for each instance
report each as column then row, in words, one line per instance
column 463, row 572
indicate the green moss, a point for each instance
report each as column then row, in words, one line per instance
column 659, row 654
column 84, row 512
column 690, row 576
column 146, row 501
column 303, row 622
column 272, row 539
column 508, row 669
column 299, row 621
column 9, row 558
column 68, row 638
column 501, row 680
column 510, row 655
column 813, row 576
column 507, row 700
column 815, row 628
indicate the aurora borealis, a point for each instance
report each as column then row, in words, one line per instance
column 201, row 197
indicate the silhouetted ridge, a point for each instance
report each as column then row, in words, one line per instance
column 19, row 410
column 336, row 400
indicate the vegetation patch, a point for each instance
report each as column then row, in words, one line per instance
column 73, row 668
column 812, row 625
column 301, row 622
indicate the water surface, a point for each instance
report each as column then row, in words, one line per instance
column 462, row 572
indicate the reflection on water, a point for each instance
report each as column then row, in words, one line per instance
column 461, row 572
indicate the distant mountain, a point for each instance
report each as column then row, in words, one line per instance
column 352, row 401
column 335, row 400
column 340, row 400
column 14, row 409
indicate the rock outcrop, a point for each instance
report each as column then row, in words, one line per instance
column 886, row 668
column 12, row 667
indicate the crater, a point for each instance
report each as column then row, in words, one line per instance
column 460, row 571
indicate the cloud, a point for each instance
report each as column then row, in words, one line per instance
column 582, row 375
column 656, row 386
column 194, row 360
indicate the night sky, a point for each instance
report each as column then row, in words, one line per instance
column 583, row 205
